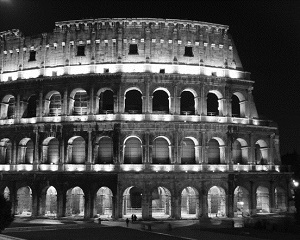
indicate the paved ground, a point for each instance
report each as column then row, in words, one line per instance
column 44, row 229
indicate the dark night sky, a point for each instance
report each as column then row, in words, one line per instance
column 266, row 34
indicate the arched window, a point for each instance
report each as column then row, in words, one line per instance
column 51, row 202
column 261, row 152
column 53, row 151
column 280, row 199
column 11, row 108
column 212, row 105
column 133, row 151
column 240, row 151
column 103, row 202
column 216, row 202
column 77, row 150
column 262, row 197
column 29, row 152
column 5, row 151
column 213, row 152
column 106, row 102
column 24, row 201
column 31, row 107
column 75, row 202
column 187, row 103
column 80, row 103
column 160, row 152
column 235, row 106
column 161, row 202
column 133, row 102
column 241, row 202
column 188, row 151
column 160, row 102
column 189, row 203
column 132, row 202
column 55, row 105
column 105, row 151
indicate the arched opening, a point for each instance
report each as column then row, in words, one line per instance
column 75, row 202
column 161, row 151
column 105, row 151
column 238, row 105
column 235, row 106
column 24, row 202
column 261, row 152
column 161, row 203
column 132, row 202
column 262, row 200
column 280, row 200
column 76, row 150
column 31, row 107
column 160, row 102
column 103, row 204
column 241, row 202
column 6, row 193
column 80, row 102
column 51, row 151
column 188, row 151
column 189, row 203
column 29, row 152
column 216, row 200
column 51, row 202
column 187, row 103
column 133, row 101
column 5, row 151
column 133, row 151
column 11, row 107
column 213, row 152
column 55, row 104
column 212, row 104
column 106, row 102
column 239, row 151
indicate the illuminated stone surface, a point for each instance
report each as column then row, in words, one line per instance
column 159, row 112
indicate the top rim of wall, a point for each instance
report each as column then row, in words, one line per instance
column 147, row 20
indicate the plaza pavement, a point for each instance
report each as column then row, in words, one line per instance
column 172, row 229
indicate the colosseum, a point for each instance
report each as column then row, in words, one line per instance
column 152, row 117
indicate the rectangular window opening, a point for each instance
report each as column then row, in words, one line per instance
column 133, row 49
column 80, row 51
column 32, row 56
column 162, row 70
column 188, row 52
column 106, row 70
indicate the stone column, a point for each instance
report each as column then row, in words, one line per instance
column 252, row 199
column 90, row 147
column 88, row 204
column 176, row 206
column 64, row 111
column 197, row 105
column 116, row 104
column 36, row 147
column 91, row 106
column 198, row 154
column 39, row 112
column 62, row 151
column 203, row 201
column 95, row 155
column 35, row 202
column 272, row 197
column 144, row 105
column 230, row 198
column 61, row 203
column 146, row 205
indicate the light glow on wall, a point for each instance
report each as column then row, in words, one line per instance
column 132, row 167
column 48, row 167
column 24, row 167
column 104, row 167
column 4, row 167
column 74, row 167
column 162, row 168
column 126, row 68
column 133, row 117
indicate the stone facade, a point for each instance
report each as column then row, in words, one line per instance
column 135, row 103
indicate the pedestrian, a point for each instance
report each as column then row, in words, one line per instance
column 99, row 220
column 132, row 218
column 135, row 217
column 127, row 221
